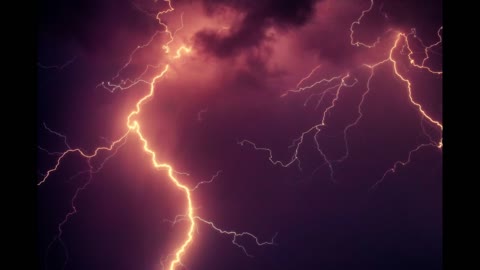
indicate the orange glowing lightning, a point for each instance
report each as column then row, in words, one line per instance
column 404, row 37
column 134, row 126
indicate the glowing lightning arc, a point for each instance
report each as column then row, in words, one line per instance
column 133, row 126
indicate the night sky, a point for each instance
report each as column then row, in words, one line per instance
column 229, row 88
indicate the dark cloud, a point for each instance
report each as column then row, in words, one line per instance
column 251, row 31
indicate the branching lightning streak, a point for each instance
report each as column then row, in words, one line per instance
column 357, row 22
column 128, row 83
column 300, row 89
column 83, row 154
column 207, row 181
column 426, row 50
column 407, row 49
column 58, row 134
column 133, row 127
column 73, row 211
column 48, row 152
column 360, row 115
column 408, row 83
column 296, row 143
column 235, row 235
column 399, row 162
column 307, row 77
column 59, row 67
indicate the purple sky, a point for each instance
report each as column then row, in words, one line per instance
column 245, row 56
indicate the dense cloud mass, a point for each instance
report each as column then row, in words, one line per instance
column 231, row 86
column 258, row 16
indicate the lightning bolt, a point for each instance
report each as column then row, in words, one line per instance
column 339, row 82
column 233, row 234
column 206, row 182
column 133, row 127
column 357, row 22
column 59, row 67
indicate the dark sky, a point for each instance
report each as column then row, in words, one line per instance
column 245, row 55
